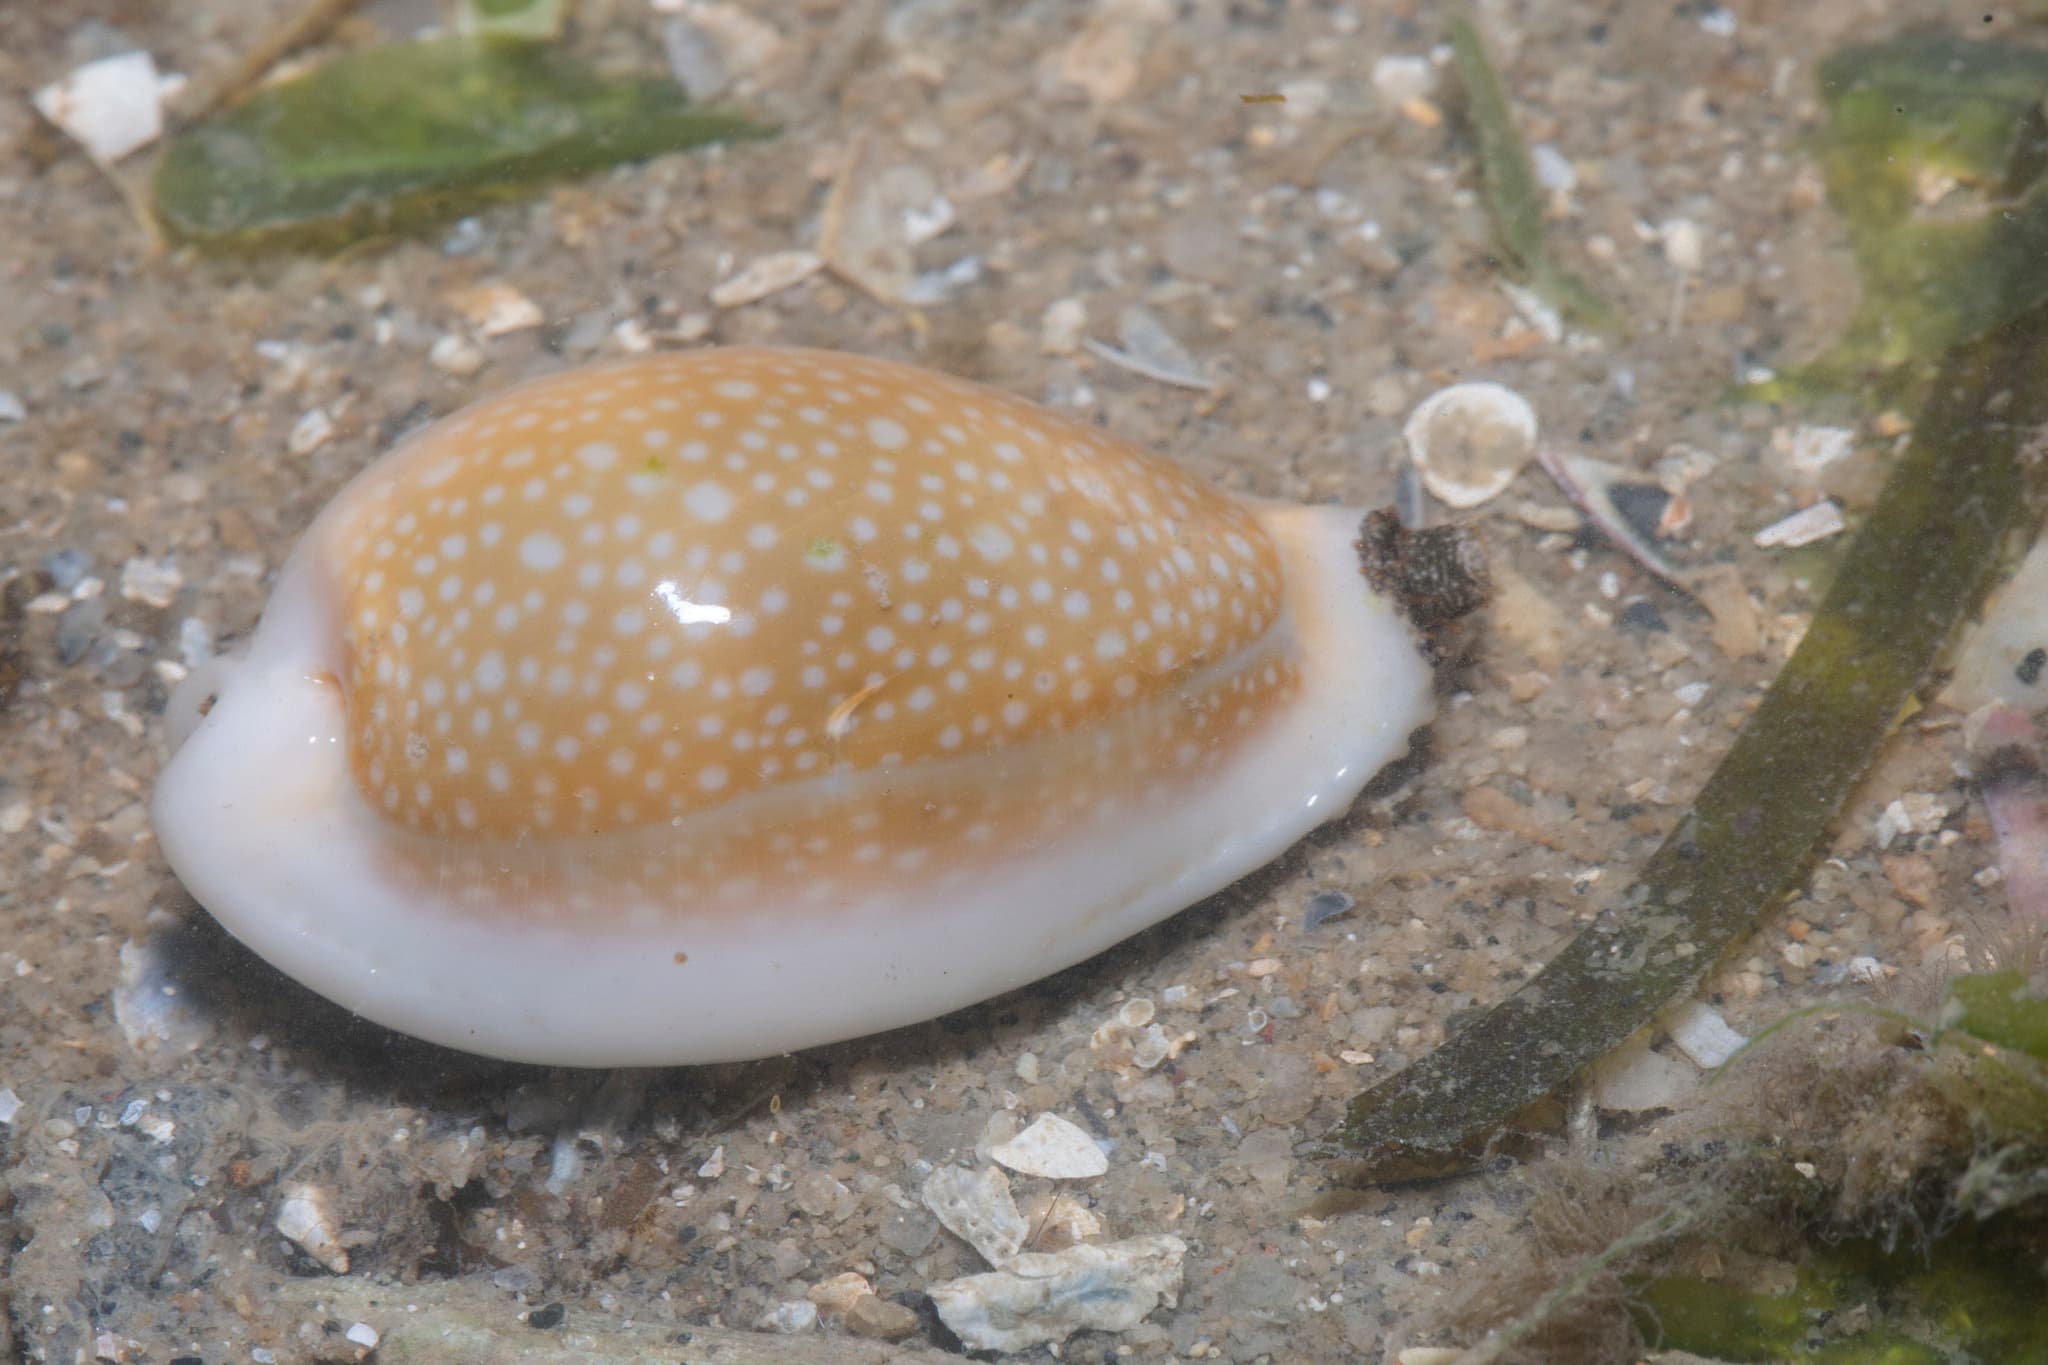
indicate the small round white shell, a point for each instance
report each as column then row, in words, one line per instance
column 1467, row 442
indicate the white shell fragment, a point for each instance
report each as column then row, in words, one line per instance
column 977, row 1208
column 2004, row 657
column 495, row 309
column 111, row 107
column 1059, row 1221
column 304, row 1220
column 1809, row 450
column 1701, row 1033
column 1042, row 1297
column 874, row 216
column 1635, row 1078
column 1803, row 527
column 148, row 1006
column 1469, row 441
column 766, row 275
column 1152, row 351
column 1053, row 1148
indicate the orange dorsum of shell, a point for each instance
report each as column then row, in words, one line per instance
column 623, row 597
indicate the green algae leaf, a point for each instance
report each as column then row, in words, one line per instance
column 1969, row 482
column 1946, row 209
column 1961, row 1297
column 395, row 137
column 512, row 18
column 1725, row 1321
column 2000, row 1008
column 1512, row 195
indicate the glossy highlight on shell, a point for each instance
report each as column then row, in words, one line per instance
column 721, row 702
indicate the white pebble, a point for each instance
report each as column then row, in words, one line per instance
column 1683, row 245
column 791, row 1317
column 1702, row 1034
column 1554, row 171
column 1812, row 449
column 363, row 1335
column 1400, row 79
column 310, row 432
column 152, row 582
column 1064, row 325
column 456, row 355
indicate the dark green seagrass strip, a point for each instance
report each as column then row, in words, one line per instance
column 1969, row 483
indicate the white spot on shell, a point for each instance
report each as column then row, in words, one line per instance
column 540, row 550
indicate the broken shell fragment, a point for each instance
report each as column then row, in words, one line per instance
column 1469, row 441
column 976, row 1207
column 305, row 1221
column 1053, row 1148
column 1041, row 1297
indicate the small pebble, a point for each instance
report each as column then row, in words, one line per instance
column 907, row 1231
column 465, row 238
column 494, row 309
column 152, row 582
column 1683, row 245
column 456, row 355
column 363, row 1335
column 195, row 642
column 791, row 1317
column 67, row 568
column 1811, row 449
column 11, row 409
column 10, row 1105
column 1699, row 1031
column 841, row 1292
column 880, row 1319
column 1642, row 615
column 1399, row 79
column 1325, row 906
column 310, row 432
column 78, row 627
column 1553, row 170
